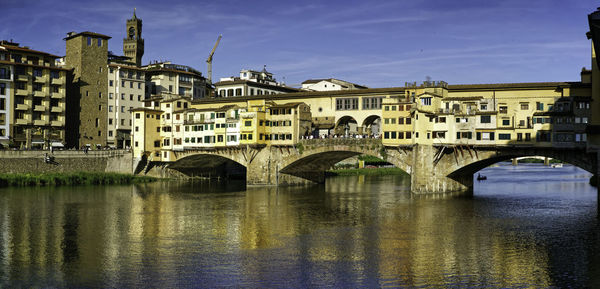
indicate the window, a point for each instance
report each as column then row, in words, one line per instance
column 122, row 108
column 372, row 102
column 131, row 97
column 503, row 109
column 425, row 100
column 346, row 104
column 539, row 106
column 248, row 123
column 504, row 136
column 483, row 106
column 524, row 106
column 486, row 119
column 110, row 108
column 110, row 83
column 123, row 96
column 110, row 121
column 506, row 122
column 37, row 72
column 89, row 41
column 2, row 88
column 99, row 42
column 110, row 95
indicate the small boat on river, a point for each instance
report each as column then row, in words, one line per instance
column 481, row 178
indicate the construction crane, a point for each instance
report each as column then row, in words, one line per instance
column 210, row 57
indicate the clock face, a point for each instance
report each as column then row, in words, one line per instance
column 131, row 32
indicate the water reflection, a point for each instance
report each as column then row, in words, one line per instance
column 350, row 232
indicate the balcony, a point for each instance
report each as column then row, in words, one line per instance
column 21, row 121
column 39, row 79
column 23, row 92
column 40, row 122
column 57, row 123
column 23, row 77
column 57, row 81
column 57, row 95
column 21, row 106
column 39, row 108
column 39, row 93
column 56, row 109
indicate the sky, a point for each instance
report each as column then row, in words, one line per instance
column 372, row 43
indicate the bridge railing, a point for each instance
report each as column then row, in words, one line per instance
column 341, row 141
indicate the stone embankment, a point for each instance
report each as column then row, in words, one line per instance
column 67, row 161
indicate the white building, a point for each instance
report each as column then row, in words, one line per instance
column 126, row 90
column 6, row 78
column 251, row 82
column 165, row 77
column 329, row 84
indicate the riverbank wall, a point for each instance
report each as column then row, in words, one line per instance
column 67, row 161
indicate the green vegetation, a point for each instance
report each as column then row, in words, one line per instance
column 355, row 172
column 370, row 159
column 300, row 148
column 61, row 179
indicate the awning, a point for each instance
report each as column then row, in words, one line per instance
column 37, row 142
column 57, row 145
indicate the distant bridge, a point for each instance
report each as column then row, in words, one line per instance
column 433, row 169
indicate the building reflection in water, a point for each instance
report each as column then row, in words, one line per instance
column 349, row 232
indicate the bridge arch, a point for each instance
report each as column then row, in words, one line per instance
column 319, row 156
column 346, row 125
column 372, row 125
column 209, row 165
column 463, row 169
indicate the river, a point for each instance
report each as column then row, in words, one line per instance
column 525, row 226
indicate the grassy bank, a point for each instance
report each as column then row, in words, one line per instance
column 355, row 172
column 67, row 179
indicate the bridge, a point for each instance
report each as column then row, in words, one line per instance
column 432, row 168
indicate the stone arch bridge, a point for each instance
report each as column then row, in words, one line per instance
column 433, row 169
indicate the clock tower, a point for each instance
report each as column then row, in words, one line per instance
column 133, row 44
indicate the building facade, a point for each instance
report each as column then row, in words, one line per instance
column 133, row 43
column 126, row 90
column 329, row 84
column 251, row 82
column 32, row 98
column 168, row 78
column 87, row 118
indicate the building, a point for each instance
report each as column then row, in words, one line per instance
column 133, row 43
column 104, row 87
column 32, row 98
column 126, row 90
column 168, row 78
column 177, row 126
column 329, row 84
column 251, row 82
column 87, row 117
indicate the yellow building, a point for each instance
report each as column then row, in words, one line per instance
column 397, row 125
column 146, row 138
column 32, row 98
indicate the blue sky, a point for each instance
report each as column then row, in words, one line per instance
column 373, row 43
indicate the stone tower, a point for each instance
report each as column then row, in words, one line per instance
column 86, row 105
column 133, row 44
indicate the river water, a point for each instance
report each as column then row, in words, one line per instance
column 526, row 226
